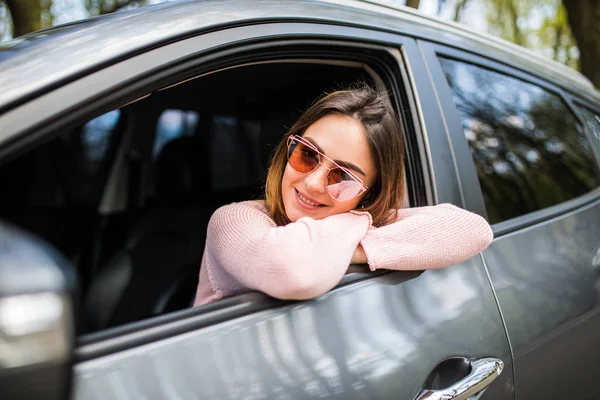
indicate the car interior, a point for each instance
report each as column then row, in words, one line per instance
column 128, row 195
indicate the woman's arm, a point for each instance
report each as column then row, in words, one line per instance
column 300, row 260
column 426, row 238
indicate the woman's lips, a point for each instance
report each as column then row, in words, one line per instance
column 306, row 202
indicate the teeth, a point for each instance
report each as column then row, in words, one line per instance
column 305, row 200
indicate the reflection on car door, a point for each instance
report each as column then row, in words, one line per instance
column 377, row 339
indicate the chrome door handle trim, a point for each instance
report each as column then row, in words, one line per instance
column 483, row 372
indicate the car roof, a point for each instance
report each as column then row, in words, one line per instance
column 42, row 60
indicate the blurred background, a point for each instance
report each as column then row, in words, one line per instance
column 567, row 31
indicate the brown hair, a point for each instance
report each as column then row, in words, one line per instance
column 385, row 135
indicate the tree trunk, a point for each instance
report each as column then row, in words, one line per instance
column 584, row 18
column 26, row 15
column 458, row 8
column 107, row 7
column 514, row 16
column 413, row 3
column 558, row 34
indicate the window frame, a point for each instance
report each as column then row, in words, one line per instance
column 578, row 104
column 173, row 64
column 465, row 165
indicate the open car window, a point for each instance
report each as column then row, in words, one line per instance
column 152, row 173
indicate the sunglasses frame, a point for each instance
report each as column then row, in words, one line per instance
column 305, row 142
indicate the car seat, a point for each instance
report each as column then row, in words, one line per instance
column 157, row 270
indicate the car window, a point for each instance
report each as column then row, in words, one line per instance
column 185, row 156
column 529, row 150
column 139, row 251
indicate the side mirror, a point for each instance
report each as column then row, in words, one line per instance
column 37, row 287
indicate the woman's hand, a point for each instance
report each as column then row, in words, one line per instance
column 359, row 256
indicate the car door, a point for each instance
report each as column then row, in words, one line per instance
column 530, row 161
column 376, row 335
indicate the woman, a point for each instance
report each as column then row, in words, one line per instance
column 333, row 195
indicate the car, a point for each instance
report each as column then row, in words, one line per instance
column 120, row 135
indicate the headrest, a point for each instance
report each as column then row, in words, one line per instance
column 175, row 171
column 272, row 130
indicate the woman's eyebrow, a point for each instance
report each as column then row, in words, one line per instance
column 344, row 164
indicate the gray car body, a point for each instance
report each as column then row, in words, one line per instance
column 531, row 299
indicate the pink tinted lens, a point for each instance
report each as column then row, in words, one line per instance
column 344, row 191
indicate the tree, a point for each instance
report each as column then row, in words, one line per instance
column 503, row 19
column 99, row 7
column 29, row 15
column 584, row 19
column 555, row 32
column 413, row 4
column 458, row 9
column 541, row 26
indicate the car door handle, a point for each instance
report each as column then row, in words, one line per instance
column 483, row 372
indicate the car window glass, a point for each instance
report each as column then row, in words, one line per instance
column 96, row 139
column 530, row 152
column 592, row 121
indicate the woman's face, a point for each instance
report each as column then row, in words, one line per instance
column 343, row 139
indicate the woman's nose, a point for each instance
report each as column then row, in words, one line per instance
column 315, row 181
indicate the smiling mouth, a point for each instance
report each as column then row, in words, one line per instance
column 307, row 201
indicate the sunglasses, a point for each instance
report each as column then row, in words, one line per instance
column 341, row 184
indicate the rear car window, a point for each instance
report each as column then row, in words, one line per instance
column 529, row 150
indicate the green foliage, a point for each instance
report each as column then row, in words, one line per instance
column 541, row 26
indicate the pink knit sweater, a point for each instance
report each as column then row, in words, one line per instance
column 246, row 250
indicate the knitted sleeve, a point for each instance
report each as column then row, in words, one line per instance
column 301, row 260
column 427, row 238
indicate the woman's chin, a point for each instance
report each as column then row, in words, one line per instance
column 295, row 213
